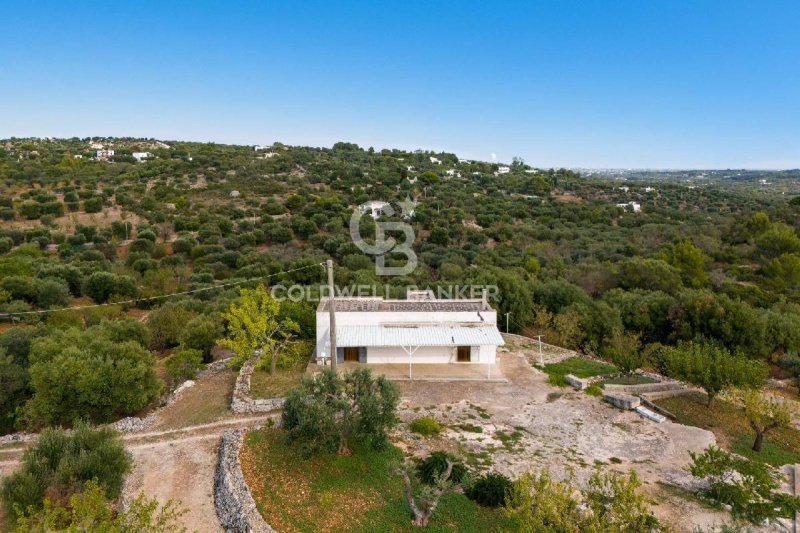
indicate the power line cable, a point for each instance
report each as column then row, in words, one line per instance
column 149, row 298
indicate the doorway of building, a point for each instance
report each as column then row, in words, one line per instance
column 351, row 354
column 463, row 354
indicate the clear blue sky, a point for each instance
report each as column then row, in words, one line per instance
column 612, row 83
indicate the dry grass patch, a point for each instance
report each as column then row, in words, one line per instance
column 208, row 401
column 265, row 385
column 729, row 425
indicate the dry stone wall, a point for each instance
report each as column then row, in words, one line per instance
column 235, row 506
column 242, row 402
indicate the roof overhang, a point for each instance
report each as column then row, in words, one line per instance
column 352, row 336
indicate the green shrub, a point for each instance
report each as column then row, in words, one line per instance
column 183, row 364
column 90, row 506
column 30, row 210
column 593, row 390
column 167, row 325
column 750, row 488
column 201, row 333
column 52, row 292
column 294, row 353
column 426, row 425
column 93, row 205
column 60, row 462
column 490, row 490
column 433, row 466
column 100, row 286
column 559, row 380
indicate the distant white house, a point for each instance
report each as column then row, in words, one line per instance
column 104, row 154
column 531, row 171
column 503, row 170
column 410, row 168
column 373, row 208
column 624, row 189
column 463, row 161
column 259, row 147
column 96, row 146
column 763, row 182
column 141, row 156
column 418, row 330
column 77, row 156
column 649, row 189
column 630, row 206
column 376, row 209
column 453, row 173
column 435, row 161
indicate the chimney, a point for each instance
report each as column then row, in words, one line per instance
column 484, row 299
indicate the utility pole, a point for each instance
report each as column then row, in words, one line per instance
column 507, row 321
column 332, row 314
column 541, row 355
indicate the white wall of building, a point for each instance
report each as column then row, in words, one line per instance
column 424, row 354
column 428, row 355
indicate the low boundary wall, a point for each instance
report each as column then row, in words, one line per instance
column 241, row 401
column 233, row 502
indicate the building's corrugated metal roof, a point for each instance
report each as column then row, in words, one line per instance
column 352, row 336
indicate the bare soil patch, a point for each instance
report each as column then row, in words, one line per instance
column 526, row 425
column 208, row 401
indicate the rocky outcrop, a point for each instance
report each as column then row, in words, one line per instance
column 235, row 506
column 242, row 402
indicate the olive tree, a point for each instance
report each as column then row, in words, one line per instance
column 764, row 414
column 327, row 411
column 712, row 368
column 88, row 375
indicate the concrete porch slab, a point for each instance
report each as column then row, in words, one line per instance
column 428, row 372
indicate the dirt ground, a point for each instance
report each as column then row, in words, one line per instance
column 176, row 458
column 527, row 425
column 521, row 425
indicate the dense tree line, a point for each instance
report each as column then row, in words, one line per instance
column 715, row 263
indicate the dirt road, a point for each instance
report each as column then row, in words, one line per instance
column 176, row 463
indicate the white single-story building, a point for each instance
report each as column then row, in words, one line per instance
column 374, row 208
column 630, row 206
column 418, row 330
